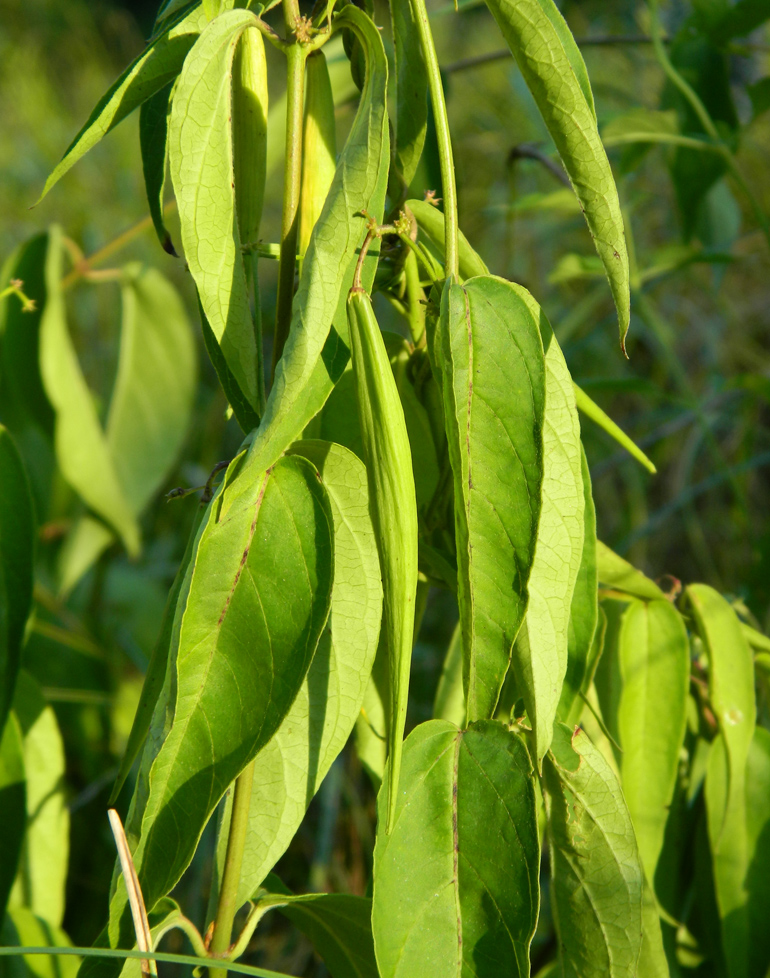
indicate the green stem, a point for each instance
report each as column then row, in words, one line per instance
column 228, row 894
column 295, row 83
column 446, row 160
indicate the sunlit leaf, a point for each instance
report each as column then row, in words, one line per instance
column 13, row 805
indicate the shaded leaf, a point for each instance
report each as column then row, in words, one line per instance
column 22, row 928
column 654, row 653
column 411, row 89
column 289, row 770
column 597, row 880
column 431, row 220
column 13, row 806
column 542, row 46
column 541, row 651
column 757, row 880
column 153, row 142
column 449, row 899
column 155, row 67
column 449, row 702
column 42, row 876
column 17, row 551
column 82, row 451
column 618, row 574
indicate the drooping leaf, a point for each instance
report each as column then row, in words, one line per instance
column 22, row 928
column 17, row 550
column 540, row 42
column 540, row 654
column 757, row 880
column 654, row 653
column 200, row 141
column 155, row 67
column 592, row 410
column 338, row 924
column 618, row 574
column 13, row 805
column 431, row 220
column 449, row 702
column 596, row 876
column 152, row 401
column 572, row 51
column 82, row 451
column 41, row 879
column 411, row 89
column 258, row 599
column 608, row 683
column 290, row 768
column 584, row 613
column 494, row 381
column 316, row 351
column 153, row 142
column 449, row 899
column 86, row 540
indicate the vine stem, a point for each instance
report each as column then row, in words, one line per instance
column 446, row 159
column 295, row 84
column 228, row 894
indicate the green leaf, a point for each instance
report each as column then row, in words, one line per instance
column 757, row 880
column 22, row 386
column 494, row 383
column 164, row 918
column 584, row 614
column 13, row 805
column 741, row 18
column 450, row 899
column 449, row 702
column 548, row 67
column 153, row 142
column 258, row 599
column 155, row 67
column 617, row 574
column 592, row 410
column 315, row 353
column 17, row 551
column 82, row 451
column 156, row 670
column 200, row 143
column 42, row 876
column 152, row 401
column 86, row 540
column 289, row 770
column 640, row 123
column 596, row 877
column 22, row 928
column 652, row 715
column 411, row 89
column 431, row 220
column 607, row 680
column 339, row 926
column 652, row 959
column 541, row 651
column 572, row 51
column 372, row 724
column 759, row 93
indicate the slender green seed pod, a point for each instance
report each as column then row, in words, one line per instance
column 319, row 145
column 393, row 506
column 249, row 132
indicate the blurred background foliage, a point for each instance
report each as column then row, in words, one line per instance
column 694, row 393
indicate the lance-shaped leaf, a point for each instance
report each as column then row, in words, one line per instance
column 618, row 574
column 153, row 142
column 757, row 880
column 584, row 614
column 494, row 382
column 654, row 653
column 555, row 74
column 314, row 358
column 450, row 899
column 259, row 597
column 82, row 451
column 652, row 958
column 431, row 220
column 541, row 651
column 449, row 702
column 596, row 877
column 290, row 768
column 13, row 806
column 22, row 928
column 731, row 691
column 339, row 926
column 155, row 67
column 200, row 143
column 591, row 410
column 17, row 551
column 42, row 875
column 411, row 89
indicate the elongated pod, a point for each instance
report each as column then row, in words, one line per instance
column 249, row 133
column 393, row 507
column 319, row 142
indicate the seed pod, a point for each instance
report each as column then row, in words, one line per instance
column 393, row 507
column 249, row 132
column 319, row 142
